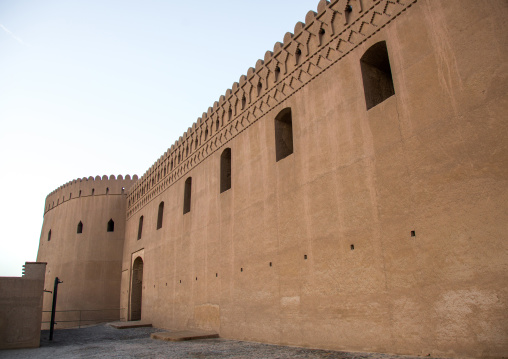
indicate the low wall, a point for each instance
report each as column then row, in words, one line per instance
column 21, row 307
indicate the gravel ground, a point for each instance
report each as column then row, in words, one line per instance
column 102, row 341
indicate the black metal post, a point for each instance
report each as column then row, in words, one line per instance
column 53, row 309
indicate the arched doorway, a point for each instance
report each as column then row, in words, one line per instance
column 136, row 288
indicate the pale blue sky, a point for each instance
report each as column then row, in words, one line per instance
column 92, row 87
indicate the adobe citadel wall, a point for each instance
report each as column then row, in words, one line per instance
column 88, row 263
column 317, row 249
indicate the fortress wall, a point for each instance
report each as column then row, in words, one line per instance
column 89, row 263
column 430, row 159
column 321, row 41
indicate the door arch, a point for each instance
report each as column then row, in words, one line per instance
column 136, row 289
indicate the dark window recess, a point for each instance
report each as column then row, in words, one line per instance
column 277, row 73
column 413, row 234
column 321, row 34
column 304, row 256
column 140, row 227
column 225, row 170
column 244, row 102
column 111, row 225
column 80, row 227
column 107, row 190
column 352, row 247
column 49, row 235
column 260, row 88
column 376, row 74
column 160, row 215
column 93, row 191
column 283, row 134
column 298, row 54
column 187, row 195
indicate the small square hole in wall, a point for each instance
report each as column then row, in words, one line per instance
column 304, row 256
column 352, row 247
column 241, row 269
column 196, row 278
column 270, row 264
column 413, row 234
column 216, row 274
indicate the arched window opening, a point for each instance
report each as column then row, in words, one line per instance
column 244, row 102
column 107, row 190
column 111, row 225
column 298, row 54
column 187, row 195
column 283, row 134
column 277, row 73
column 160, row 215
column 260, row 88
column 321, row 34
column 225, row 170
column 376, row 74
column 93, row 191
column 49, row 235
column 140, row 227
column 80, row 227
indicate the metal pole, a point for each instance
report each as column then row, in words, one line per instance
column 53, row 309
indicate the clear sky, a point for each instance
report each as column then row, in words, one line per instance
column 101, row 87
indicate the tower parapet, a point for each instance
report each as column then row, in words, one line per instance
column 89, row 186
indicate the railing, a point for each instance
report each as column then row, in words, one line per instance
column 85, row 316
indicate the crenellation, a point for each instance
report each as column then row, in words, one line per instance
column 83, row 188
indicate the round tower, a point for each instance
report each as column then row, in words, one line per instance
column 82, row 243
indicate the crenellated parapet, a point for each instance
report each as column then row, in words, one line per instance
column 91, row 186
column 328, row 35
